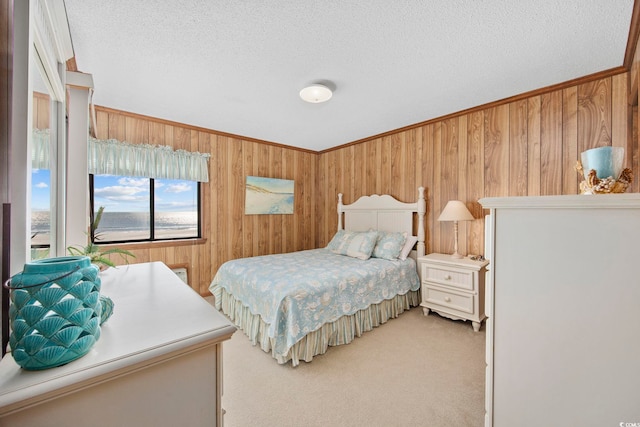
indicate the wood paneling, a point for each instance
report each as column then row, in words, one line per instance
column 570, row 152
column 496, row 151
column 523, row 146
column 227, row 232
column 594, row 111
column 475, row 181
column 518, row 149
column 40, row 116
column 533, row 146
column 551, row 143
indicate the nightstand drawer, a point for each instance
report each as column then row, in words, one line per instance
column 456, row 278
column 453, row 301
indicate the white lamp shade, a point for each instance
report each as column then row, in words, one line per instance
column 316, row 93
column 455, row 210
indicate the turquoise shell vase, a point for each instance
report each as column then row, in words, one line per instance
column 56, row 311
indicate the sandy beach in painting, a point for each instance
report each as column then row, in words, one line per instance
column 268, row 196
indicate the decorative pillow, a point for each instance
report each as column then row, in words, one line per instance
column 408, row 245
column 354, row 244
column 335, row 241
column 389, row 245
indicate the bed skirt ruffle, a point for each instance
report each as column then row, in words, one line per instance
column 341, row 331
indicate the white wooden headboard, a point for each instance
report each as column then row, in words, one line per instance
column 384, row 213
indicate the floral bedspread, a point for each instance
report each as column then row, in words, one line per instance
column 296, row 293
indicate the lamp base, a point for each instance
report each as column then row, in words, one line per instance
column 455, row 254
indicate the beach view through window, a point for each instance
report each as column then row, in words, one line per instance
column 127, row 208
column 40, row 213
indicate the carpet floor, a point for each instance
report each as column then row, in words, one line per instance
column 414, row 370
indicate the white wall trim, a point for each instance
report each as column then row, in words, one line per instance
column 21, row 119
column 41, row 39
column 77, row 189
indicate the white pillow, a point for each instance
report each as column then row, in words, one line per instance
column 408, row 245
column 354, row 244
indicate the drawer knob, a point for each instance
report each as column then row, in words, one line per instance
column 447, row 277
column 447, row 299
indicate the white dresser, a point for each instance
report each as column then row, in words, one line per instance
column 563, row 308
column 158, row 362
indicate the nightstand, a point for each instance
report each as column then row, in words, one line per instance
column 453, row 287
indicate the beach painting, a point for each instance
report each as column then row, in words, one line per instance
column 268, row 196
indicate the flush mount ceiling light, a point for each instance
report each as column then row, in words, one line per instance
column 316, row 93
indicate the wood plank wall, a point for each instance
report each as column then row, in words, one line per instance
column 228, row 233
column 633, row 155
column 41, row 116
column 525, row 147
column 522, row 148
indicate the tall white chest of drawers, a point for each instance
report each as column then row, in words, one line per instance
column 563, row 305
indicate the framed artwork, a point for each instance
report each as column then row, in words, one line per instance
column 268, row 196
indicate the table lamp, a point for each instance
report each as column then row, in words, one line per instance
column 455, row 211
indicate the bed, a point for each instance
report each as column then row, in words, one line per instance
column 296, row 305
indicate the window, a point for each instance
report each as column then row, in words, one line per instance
column 144, row 192
column 43, row 166
column 136, row 209
column 40, row 213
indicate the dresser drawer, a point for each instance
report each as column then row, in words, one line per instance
column 458, row 302
column 457, row 278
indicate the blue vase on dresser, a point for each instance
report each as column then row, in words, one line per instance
column 55, row 311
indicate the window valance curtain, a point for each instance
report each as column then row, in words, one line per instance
column 40, row 149
column 151, row 161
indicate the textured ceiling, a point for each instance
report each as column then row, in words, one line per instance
column 237, row 66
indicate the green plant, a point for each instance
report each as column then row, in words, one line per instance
column 38, row 252
column 95, row 253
